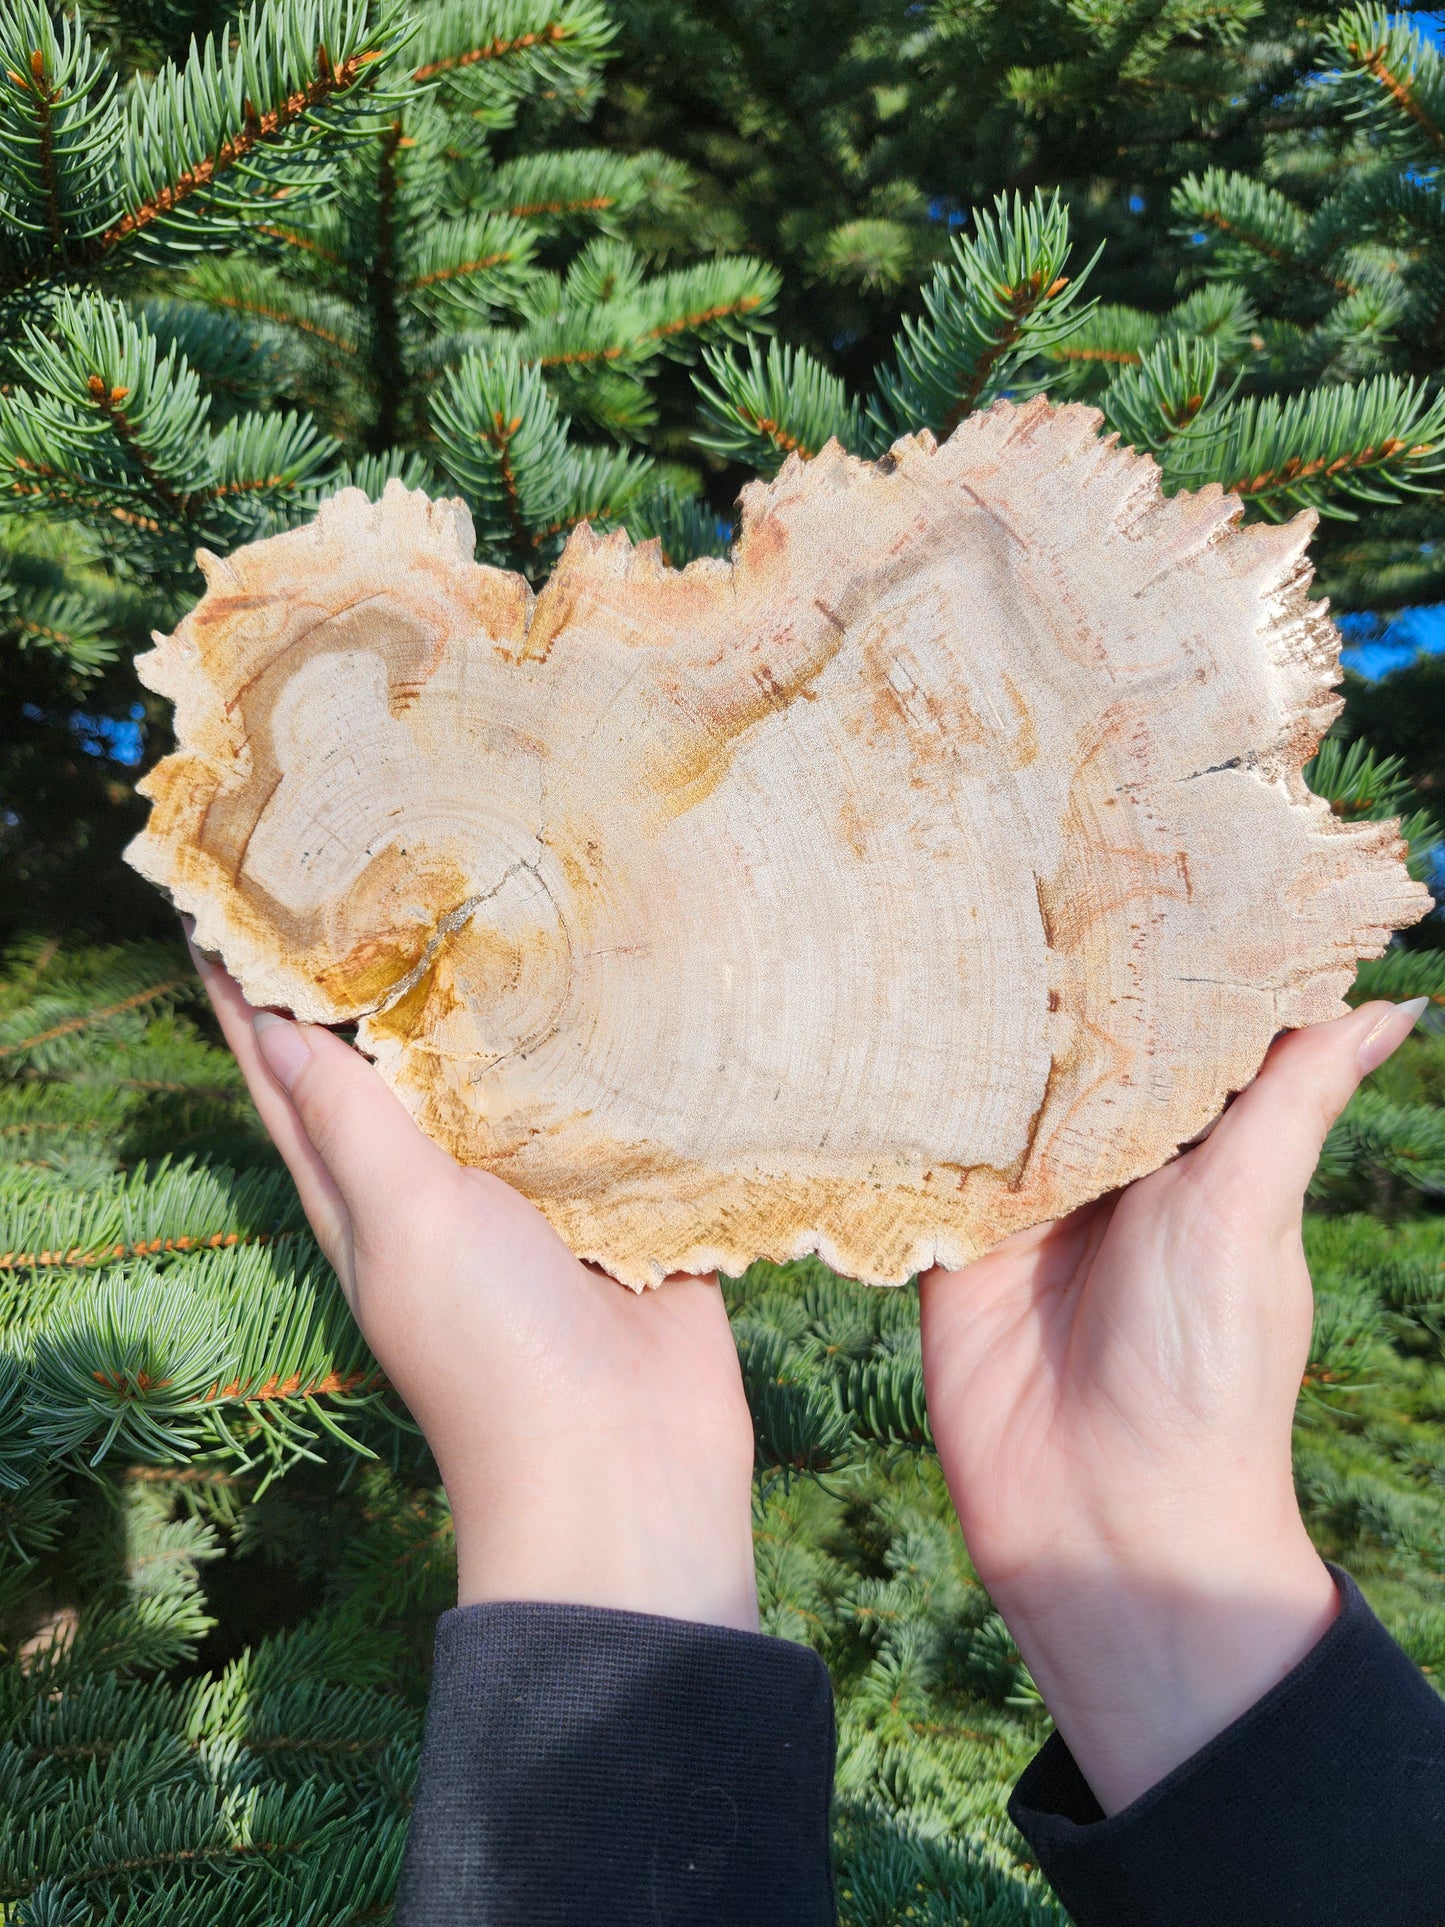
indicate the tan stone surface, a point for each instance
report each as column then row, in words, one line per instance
column 936, row 864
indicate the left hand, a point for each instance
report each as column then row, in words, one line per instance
column 595, row 1444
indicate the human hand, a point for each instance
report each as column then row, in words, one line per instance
column 596, row 1445
column 1112, row 1398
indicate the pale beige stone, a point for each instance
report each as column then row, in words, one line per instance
column 937, row 863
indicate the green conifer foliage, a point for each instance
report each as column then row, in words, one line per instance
column 326, row 243
column 334, row 244
column 1262, row 175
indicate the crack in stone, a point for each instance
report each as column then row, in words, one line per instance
column 1249, row 762
column 446, row 925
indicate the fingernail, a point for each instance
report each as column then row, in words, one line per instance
column 281, row 1045
column 1389, row 1033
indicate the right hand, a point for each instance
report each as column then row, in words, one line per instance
column 1112, row 1396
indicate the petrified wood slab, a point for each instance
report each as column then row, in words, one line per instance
column 937, row 863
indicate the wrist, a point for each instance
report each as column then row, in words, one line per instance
column 1142, row 1660
column 633, row 1534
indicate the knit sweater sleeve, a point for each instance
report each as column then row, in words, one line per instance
column 1322, row 1805
column 582, row 1765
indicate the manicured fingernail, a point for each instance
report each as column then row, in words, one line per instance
column 282, row 1045
column 1389, row 1033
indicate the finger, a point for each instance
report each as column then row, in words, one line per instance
column 320, row 1199
column 1273, row 1131
column 369, row 1146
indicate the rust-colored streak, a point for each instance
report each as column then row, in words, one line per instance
column 482, row 262
column 81, row 1258
column 258, row 128
column 497, row 49
column 98, row 1016
column 1372, row 59
column 330, row 1385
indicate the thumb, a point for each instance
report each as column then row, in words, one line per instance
column 1273, row 1132
column 367, row 1143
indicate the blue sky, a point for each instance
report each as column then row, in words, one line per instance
column 1373, row 649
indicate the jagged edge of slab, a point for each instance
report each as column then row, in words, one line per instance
column 1301, row 639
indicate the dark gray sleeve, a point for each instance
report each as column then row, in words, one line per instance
column 598, row 1768
column 1323, row 1805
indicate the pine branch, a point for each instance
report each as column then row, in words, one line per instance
column 503, row 441
column 1357, row 783
column 614, row 398
column 164, row 1367
column 798, row 1423
column 684, row 527
column 1170, row 394
column 191, row 154
column 607, row 314
column 282, row 308
column 462, row 269
column 1401, row 974
column 1368, row 442
column 1002, row 300
column 1110, row 338
column 1252, row 232
column 554, row 190
column 699, row 303
column 602, row 484
column 1217, row 312
column 105, row 421
column 17, row 1451
column 1405, row 1140
column 32, row 1028
column 60, row 128
column 149, row 1213
column 870, row 253
column 1392, row 78
column 168, row 1830
column 482, row 451
column 231, row 359
column 606, row 273
column 1110, row 341
column 491, row 56
column 371, row 473
column 776, row 403
column 883, row 1397
column 63, row 611
column 98, row 395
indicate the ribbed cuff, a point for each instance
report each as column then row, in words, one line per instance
column 594, row 1768
column 1323, row 1805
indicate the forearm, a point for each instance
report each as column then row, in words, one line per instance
column 651, row 1530
column 1323, row 1802
column 1143, row 1660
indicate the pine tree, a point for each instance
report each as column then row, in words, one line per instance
column 1260, row 176
column 330, row 245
